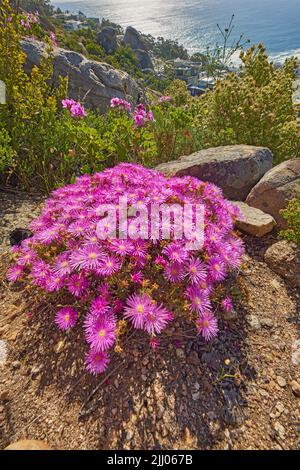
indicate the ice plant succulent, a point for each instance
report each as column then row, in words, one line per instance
column 115, row 284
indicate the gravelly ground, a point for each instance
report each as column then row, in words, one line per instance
column 233, row 393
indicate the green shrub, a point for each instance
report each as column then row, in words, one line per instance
column 292, row 216
column 254, row 108
column 7, row 153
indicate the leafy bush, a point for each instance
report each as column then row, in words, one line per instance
column 110, row 283
column 254, row 108
column 7, row 153
column 51, row 147
column 292, row 216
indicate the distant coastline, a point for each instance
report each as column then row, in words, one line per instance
column 194, row 23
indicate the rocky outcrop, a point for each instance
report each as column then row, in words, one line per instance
column 276, row 188
column 134, row 39
column 254, row 221
column 93, row 82
column 234, row 168
column 28, row 444
column 108, row 39
column 284, row 259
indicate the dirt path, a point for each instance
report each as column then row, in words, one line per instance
column 234, row 393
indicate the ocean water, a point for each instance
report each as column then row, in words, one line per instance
column 193, row 23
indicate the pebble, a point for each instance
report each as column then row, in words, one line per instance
column 129, row 435
column 279, row 429
column 281, row 381
column 296, row 353
column 267, row 322
column 180, row 353
column 253, row 322
column 5, row 395
column 16, row 364
column 196, row 396
column 295, row 386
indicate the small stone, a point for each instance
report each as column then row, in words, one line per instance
column 254, row 221
column 28, row 445
column 144, row 377
column 227, row 362
column 296, row 352
column 160, row 411
column 59, row 347
column 16, row 364
column 295, row 386
column 279, row 429
column 180, row 353
column 193, row 358
column 267, row 322
column 253, row 322
column 5, row 395
column 281, row 381
column 114, row 411
column 196, row 396
column 129, row 435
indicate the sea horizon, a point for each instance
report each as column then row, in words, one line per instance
column 193, row 23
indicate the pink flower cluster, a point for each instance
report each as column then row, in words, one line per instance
column 164, row 99
column 29, row 20
column 140, row 115
column 133, row 283
column 53, row 39
column 120, row 103
column 76, row 109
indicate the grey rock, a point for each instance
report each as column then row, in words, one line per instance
column 254, row 221
column 93, row 82
column 134, row 39
column 108, row 39
column 144, row 59
column 234, row 168
column 295, row 357
column 284, row 259
column 276, row 188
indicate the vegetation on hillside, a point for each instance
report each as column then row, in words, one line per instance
column 43, row 145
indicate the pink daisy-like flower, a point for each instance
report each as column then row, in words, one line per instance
column 196, row 270
column 156, row 318
column 137, row 307
column 88, row 257
column 137, row 277
column 15, row 272
column 207, row 325
column 100, row 305
column 121, row 247
column 62, row 264
column 77, row 284
column 174, row 272
column 40, row 272
column 66, row 318
column 54, row 283
column 176, row 253
column 109, row 266
column 27, row 257
column 227, row 304
column 199, row 300
column 216, row 269
column 96, row 362
column 100, row 331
